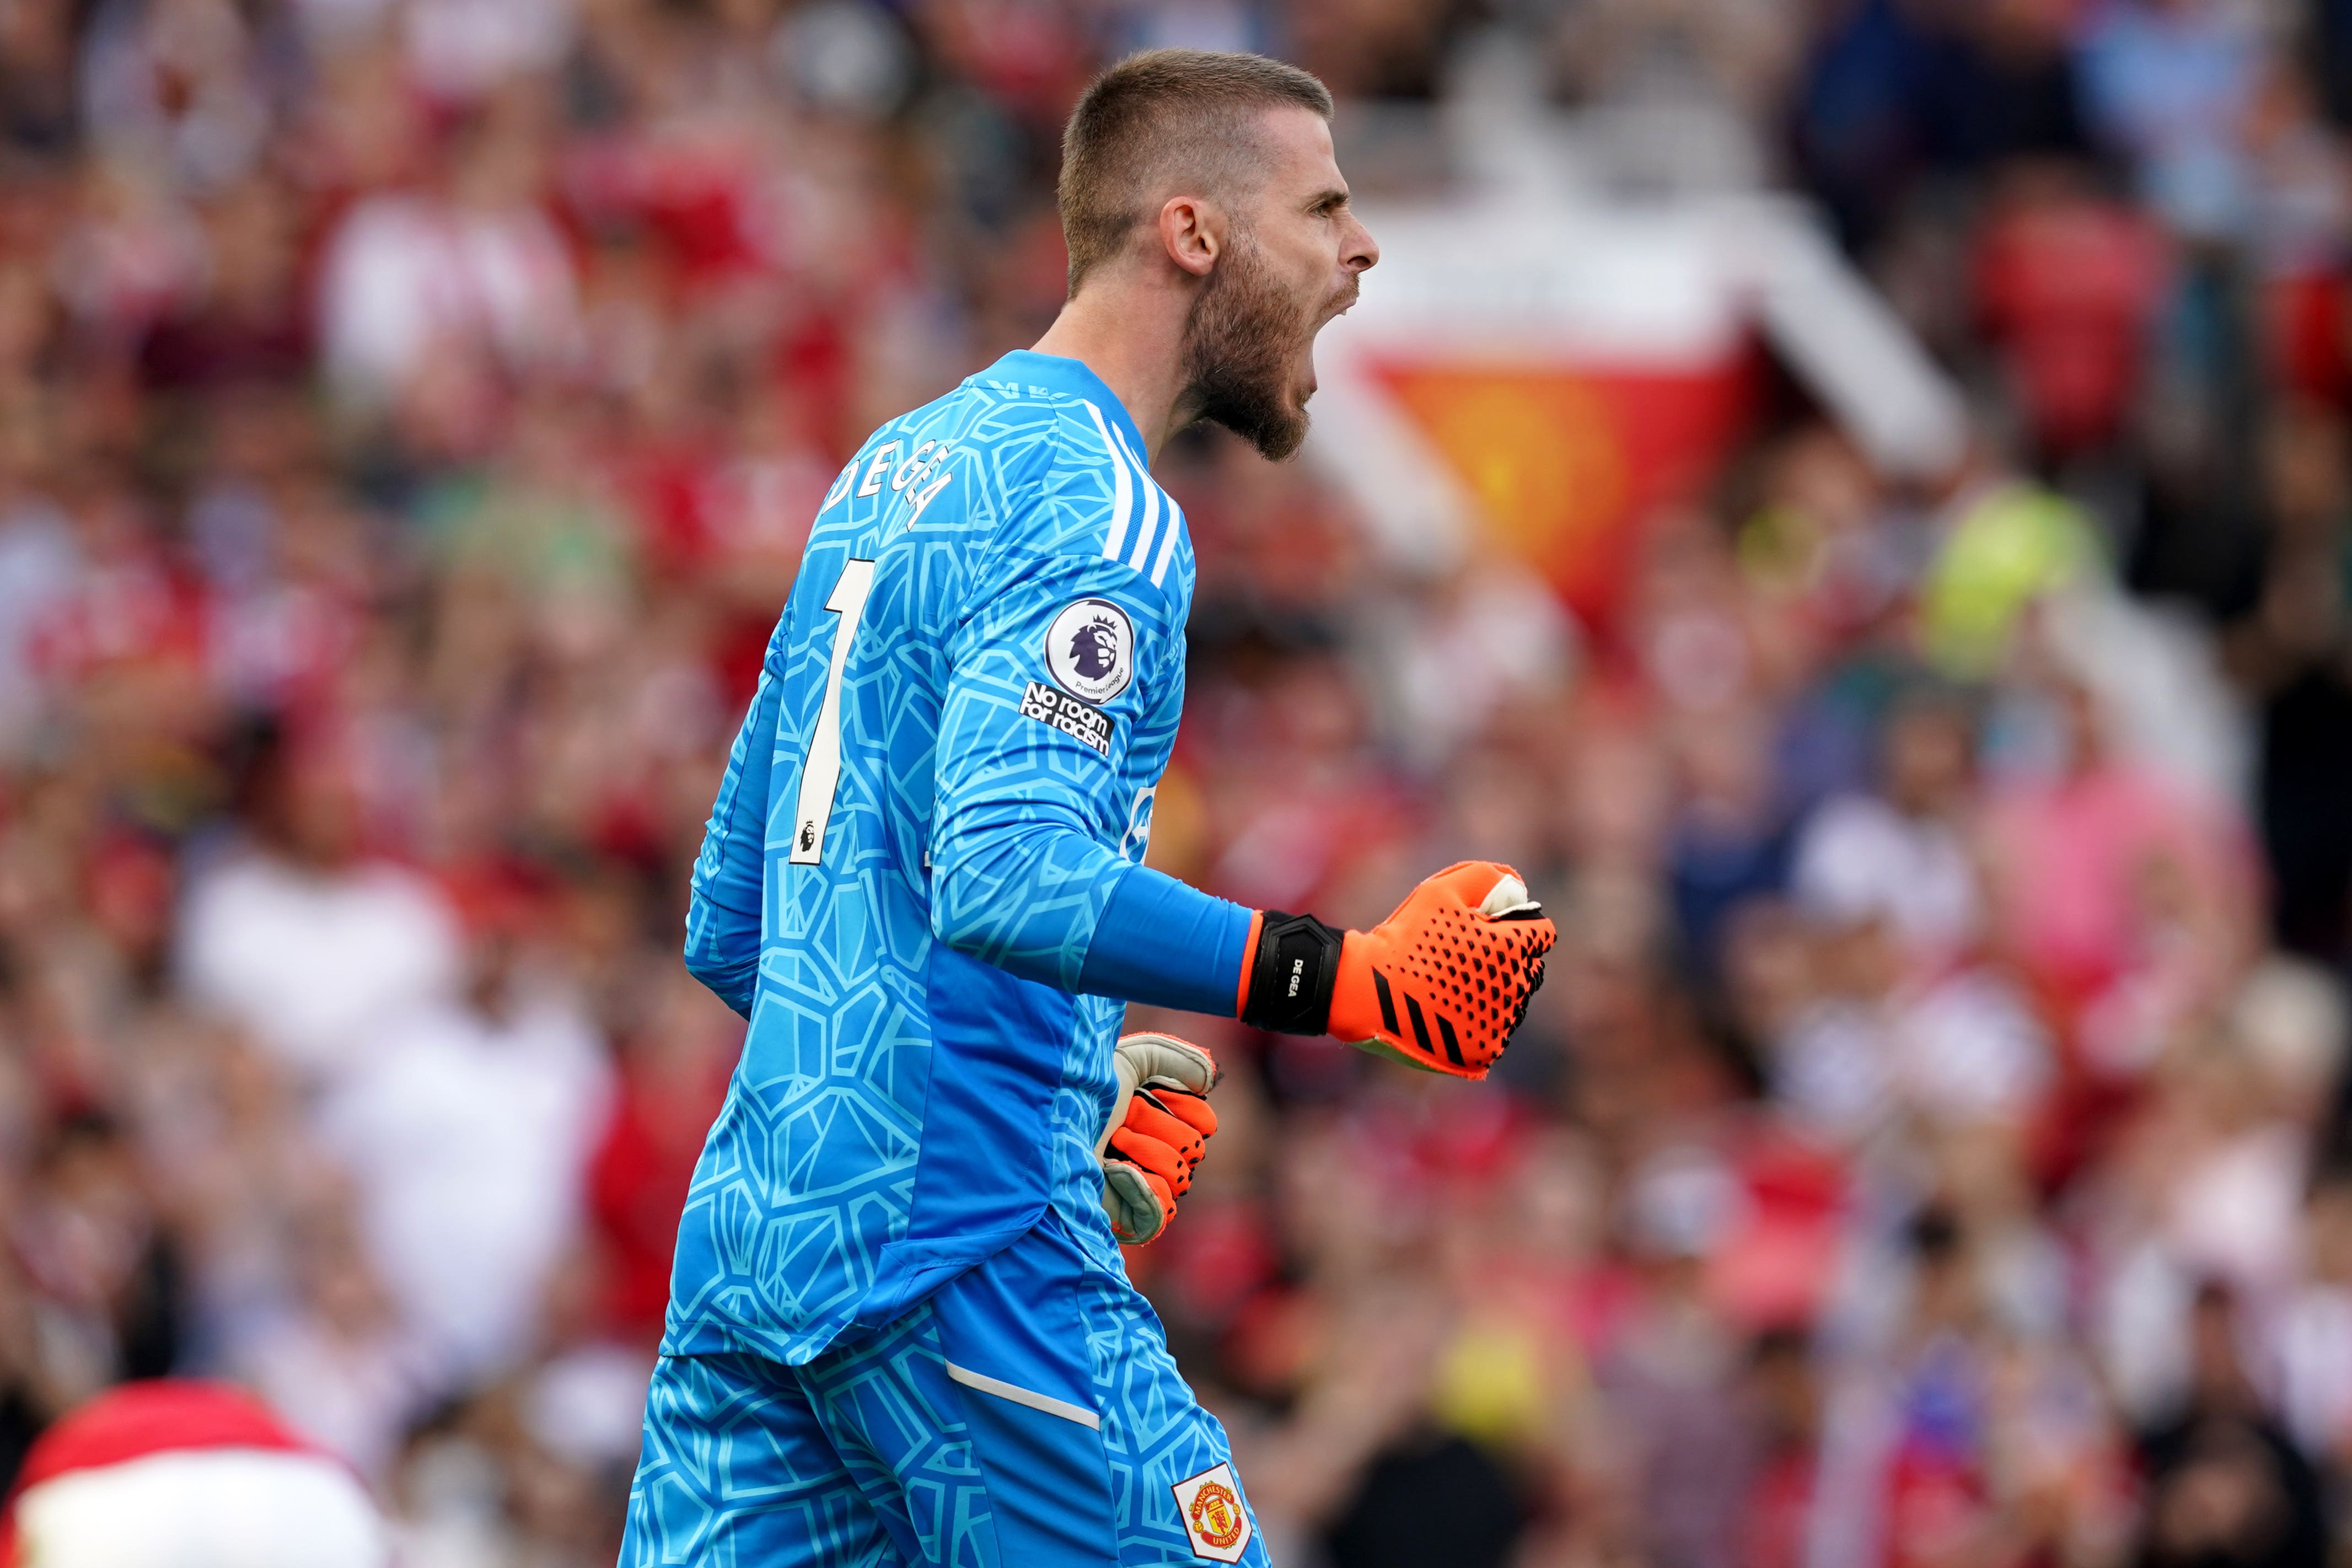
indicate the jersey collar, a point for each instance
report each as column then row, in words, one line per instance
column 1069, row 377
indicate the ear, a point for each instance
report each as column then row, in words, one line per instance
column 1192, row 233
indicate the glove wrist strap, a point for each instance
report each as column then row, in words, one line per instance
column 1292, row 973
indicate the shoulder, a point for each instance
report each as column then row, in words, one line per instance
column 1031, row 474
column 1042, row 445
column 1081, row 489
column 1015, row 440
column 1022, row 432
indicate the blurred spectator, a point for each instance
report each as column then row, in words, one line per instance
column 2069, row 286
column 2170, row 83
column 467, row 1135
column 175, row 1470
column 1675, row 1367
column 2291, row 652
column 1784, row 1404
column 1904, row 856
column 413, row 285
column 331, row 1352
column 2224, row 1483
column 2113, row 890
column 300, row 936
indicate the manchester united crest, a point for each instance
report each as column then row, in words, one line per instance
column 1214, row 1521
column 1216, row 1516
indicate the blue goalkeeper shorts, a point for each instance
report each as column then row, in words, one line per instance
column 1026, row 1415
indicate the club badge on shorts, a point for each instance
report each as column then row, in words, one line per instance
column 1214, row 1521
column 1090, row 650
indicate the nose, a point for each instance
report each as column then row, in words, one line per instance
column 1360, row 252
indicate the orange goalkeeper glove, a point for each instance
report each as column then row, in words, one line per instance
column 1440, row 984
column 1160, row 1128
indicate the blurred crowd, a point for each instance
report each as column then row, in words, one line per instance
column 1929, row 1147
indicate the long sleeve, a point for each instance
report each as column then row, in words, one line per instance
column 1066, row 663
column 722, row 921
column 1167, row 944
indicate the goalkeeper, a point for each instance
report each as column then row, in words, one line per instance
column 900, row 1331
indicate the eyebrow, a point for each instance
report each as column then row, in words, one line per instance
column 1325, row 198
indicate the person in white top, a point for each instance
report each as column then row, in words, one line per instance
column 301, row 940
column 1902, row 855
column 467, row 1133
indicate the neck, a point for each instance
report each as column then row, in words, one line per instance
column 1137, row 346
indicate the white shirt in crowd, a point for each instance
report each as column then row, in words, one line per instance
column 311, row 963
column 1960, row 1048
column 402, row 273
column 467, row 1138
column 2314, row 1368
column 1859, row 858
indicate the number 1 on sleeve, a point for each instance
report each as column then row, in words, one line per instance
column 821, row 774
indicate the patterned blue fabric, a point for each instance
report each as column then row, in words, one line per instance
column 918, row 1084
column 875, row 1454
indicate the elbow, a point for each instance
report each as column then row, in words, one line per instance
column 984, row 892
column 733, row 984
column 961, row 903
column 1021, row 896
column 729, row 968
column 707, row 966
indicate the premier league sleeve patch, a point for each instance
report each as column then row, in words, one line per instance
column 1090, row 650
column 1216, row 1524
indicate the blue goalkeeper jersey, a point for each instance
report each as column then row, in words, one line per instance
column 947, row 770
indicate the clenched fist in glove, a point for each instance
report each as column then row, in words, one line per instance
column 1159, row 1129
column 1440, row 984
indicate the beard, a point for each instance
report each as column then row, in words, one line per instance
column 1243, row 336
